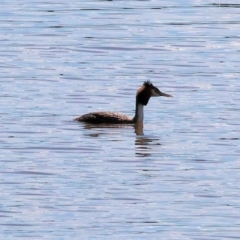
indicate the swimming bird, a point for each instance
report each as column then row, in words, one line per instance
column 143, row 95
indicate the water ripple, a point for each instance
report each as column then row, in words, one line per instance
column 61, row 179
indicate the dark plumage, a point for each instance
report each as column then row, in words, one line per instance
column 105, row 117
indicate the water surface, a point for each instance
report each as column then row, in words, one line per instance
column 66, row 180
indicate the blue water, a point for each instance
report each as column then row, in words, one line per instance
column 66, row 180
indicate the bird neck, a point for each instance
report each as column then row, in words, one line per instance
column 138, row 113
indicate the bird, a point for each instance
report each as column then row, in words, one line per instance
column 144, row 93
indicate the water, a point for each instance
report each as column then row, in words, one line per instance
column 66, row 180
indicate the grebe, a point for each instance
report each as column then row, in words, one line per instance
column 142, row 97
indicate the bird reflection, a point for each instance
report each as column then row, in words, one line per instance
column 144, row 145
column 137, row 126
column 90, row 126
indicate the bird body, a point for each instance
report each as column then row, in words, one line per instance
column 105, row 117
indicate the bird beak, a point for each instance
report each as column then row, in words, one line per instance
column 165, row 94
